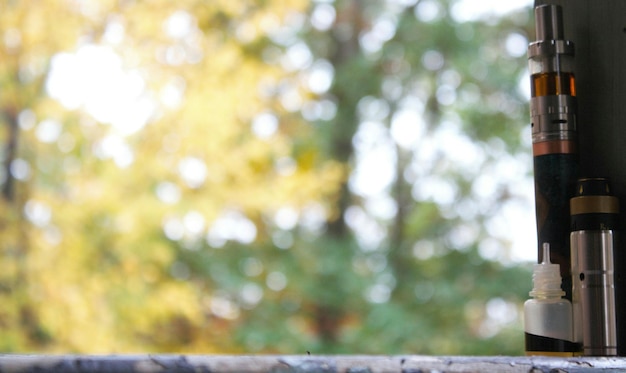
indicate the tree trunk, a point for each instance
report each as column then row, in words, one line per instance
column 8, row 189
column 328, row 317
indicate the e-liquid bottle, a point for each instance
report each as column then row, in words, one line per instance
column 548, row 321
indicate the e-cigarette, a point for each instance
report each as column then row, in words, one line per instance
column 594, row 222
column 555, row 148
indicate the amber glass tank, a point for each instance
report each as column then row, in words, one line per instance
column 552, row 84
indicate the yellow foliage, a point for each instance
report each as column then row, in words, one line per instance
column 86, row 262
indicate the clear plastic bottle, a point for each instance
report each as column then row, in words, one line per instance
column 548, row 323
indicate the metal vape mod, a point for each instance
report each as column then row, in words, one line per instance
column 555, row 150
column 594, row 219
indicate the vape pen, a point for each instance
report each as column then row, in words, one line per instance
column 555, row 150
column 594, row 221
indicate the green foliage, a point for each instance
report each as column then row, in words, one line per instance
column 230, row 218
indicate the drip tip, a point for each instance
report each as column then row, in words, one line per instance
column 594, row 206
column 549, row 22
column 596, row 186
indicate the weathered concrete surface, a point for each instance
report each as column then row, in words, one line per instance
column 304, row 364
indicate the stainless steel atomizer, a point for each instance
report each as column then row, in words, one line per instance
column 594, row 218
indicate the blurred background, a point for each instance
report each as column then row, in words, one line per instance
column 275, row 176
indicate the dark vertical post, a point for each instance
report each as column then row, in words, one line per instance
column 598, row 30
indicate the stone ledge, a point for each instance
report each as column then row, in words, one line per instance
column 303, row 364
